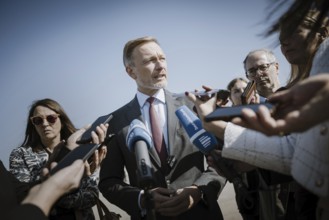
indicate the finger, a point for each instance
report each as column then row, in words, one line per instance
column 52, row 165
column 101, row 131
column 96, row 158
column 79, row 133
column 191, row 96
column 207, row 88
column 94, row 137
column 267, row 122
column 102, row 153
column 99, row 135
column 45, row 172
column 87, row 168
column 83, row 129
column 290, row 122
column 239, row 121
column 251, row 119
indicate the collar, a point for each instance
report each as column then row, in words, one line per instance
column 159, row 95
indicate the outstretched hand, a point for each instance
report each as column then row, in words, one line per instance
column 205, row 107
column 301, row 107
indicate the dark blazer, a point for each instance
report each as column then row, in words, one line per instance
column 11, row 192
column 189, row 168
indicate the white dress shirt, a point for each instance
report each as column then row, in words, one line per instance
column 160, row 108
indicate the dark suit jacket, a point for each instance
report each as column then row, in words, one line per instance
column 189, row 168
column 11, row 192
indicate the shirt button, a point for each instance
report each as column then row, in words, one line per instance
column 323, row 130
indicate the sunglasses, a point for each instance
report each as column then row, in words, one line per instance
column 38, row 120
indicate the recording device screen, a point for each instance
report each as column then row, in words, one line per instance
column 228, row 113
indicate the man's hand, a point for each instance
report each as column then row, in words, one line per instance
column 205, row 107
column 180, row 202
column 301, row 107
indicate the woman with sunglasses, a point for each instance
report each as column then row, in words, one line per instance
column 48, row 125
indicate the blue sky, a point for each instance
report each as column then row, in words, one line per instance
column 71, row 51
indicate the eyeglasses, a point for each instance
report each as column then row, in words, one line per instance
column 38, row 120
column 252, row 72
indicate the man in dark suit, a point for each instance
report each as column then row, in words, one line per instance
column 183, row 189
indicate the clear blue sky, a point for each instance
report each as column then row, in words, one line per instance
column 71, row 51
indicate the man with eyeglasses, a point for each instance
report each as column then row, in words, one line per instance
column 262, row 67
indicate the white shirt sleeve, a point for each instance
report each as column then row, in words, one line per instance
column 272, row 153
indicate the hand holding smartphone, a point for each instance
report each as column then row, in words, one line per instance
column 222, row 94
column 228, row 113
column 85, row 149
column 82, row 152
column 86, row 136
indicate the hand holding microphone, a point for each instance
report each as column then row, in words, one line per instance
column 207, row 144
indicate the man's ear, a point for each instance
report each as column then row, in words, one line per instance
column 277, row 67
column 130, row 72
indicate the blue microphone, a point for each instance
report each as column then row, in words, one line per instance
column 206, row 143
column 139, row 141
column 203, row 140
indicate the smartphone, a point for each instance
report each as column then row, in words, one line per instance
column 222, row 94
column 247, row 93
column 227, row 113
column 86, row 136
column 82, row 152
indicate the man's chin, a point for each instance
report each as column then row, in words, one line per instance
column 161, row 85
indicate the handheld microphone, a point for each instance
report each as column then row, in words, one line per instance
column 207, row 143
column 139, row 141
column 203, row 140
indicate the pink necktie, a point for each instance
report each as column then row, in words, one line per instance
column 157, row 134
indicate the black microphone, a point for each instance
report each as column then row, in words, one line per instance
column 139, row 141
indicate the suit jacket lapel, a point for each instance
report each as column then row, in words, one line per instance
column 136, row 114
column 172, row 106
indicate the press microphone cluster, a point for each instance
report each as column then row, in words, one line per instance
column 139, row 141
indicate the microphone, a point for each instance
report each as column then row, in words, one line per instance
column 207, row 143
column 203, row 140
column 139, row 141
